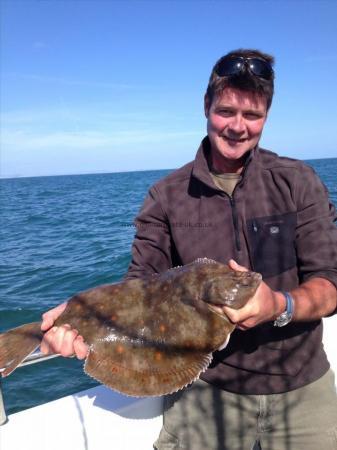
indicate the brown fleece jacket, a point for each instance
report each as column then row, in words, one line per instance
column 279, row 222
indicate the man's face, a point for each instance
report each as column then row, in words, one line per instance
column 235, row 121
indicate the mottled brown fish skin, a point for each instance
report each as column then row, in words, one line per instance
column 154, row 335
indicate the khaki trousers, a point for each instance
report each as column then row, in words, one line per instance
column 203, row 417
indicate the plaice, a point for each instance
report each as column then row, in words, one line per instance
column 147, row 336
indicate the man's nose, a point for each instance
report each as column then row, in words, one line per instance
column 237, row 124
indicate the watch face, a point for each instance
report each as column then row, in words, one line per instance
column 282, row 320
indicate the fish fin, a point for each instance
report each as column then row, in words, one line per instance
column 196, row 261
column 204, row 261
column 144, row 371
column 16, row 344
column 224, row 345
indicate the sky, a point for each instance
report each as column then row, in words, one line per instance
column 93, row 86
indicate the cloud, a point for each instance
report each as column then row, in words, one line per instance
column 96, row 137
column 89, row 139
column 96, row 117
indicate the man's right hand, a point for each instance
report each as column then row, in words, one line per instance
column 63, row 339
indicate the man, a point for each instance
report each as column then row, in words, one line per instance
column 237, row 203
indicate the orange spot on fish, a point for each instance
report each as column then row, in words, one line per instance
column 114, row 317
column 120, row 349
column 158, row 356
column 162, row 328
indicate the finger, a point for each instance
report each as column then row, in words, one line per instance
column 47, row 321
column 80, row 348
column 238, row 316
column 44, row 346
column 216, row 308
column 247, row 324
column 55, row 339
column 235, row 266
column 233, row 315
column 67, row 345
column 242, row 327
column 49, row 317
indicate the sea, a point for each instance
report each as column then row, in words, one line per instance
column 65, row 234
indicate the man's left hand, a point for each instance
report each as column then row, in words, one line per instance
column 264, row 306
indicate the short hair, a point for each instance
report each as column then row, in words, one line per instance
column 245, row 81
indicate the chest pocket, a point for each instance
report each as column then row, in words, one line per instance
column 272, row 243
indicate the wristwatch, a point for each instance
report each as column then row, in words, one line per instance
column 284, row 318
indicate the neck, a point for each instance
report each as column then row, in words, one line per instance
column 223, row 165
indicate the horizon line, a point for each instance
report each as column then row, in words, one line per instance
column 8, row 177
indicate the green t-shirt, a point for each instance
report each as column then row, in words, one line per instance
column 226, row 181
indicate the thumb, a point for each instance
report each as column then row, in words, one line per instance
column 232, row 314
column 49, row 317
column 235, row 266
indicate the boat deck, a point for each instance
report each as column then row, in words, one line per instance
column 96, row 419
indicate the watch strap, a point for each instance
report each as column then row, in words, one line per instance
column 287, row 315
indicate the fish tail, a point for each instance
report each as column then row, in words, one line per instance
column 16, row 344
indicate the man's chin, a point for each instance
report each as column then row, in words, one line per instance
column 234, row 153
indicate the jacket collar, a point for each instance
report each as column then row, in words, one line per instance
column 201, row 169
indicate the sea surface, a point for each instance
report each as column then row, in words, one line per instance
column 61, row 235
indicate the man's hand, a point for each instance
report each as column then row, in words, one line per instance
column 313, row 299
column 62, row 339
column 264, row 306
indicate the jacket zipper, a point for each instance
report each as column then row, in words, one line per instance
column 235, row 223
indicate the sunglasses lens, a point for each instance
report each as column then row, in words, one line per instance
column 229, row 66
column 235, row 65
column 260, row 68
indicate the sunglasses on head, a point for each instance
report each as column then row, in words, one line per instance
column 235, row 65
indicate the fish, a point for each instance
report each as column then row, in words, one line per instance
column 147, row 336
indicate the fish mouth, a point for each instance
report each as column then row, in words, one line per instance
column 257, row 277
column 247, row 277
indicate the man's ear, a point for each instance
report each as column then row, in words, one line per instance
column 207, row 104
